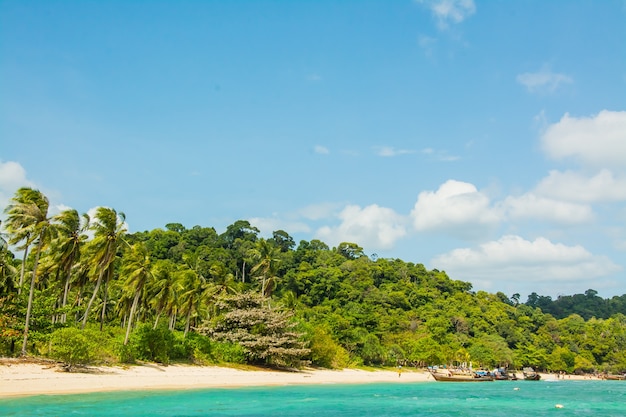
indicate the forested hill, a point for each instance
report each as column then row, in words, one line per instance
column 195, row 295
column 586, row 305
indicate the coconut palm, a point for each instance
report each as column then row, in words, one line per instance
column 71, row 228
column 27, row 219
column 8, row 272
column 109, row 229
column 164, row 289
column 17, row 225
column 266, row 256
column 194, row 295
column 137, row 270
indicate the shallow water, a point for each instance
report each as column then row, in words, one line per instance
column 512, row 398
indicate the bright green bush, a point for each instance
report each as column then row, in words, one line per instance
column 228, row 352
column 155, row 345
column 72, row 347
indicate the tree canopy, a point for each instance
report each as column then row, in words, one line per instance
column 192, row 294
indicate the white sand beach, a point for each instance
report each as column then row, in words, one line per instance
column 21, row 379
column 18, row 378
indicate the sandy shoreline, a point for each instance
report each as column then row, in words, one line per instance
column 23, row 379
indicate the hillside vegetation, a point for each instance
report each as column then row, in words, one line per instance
column 90, row 292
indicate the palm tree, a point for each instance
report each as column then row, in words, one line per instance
column 109, row 229
column 164, row 288
column 17, row 229
column 266, row 254
column 27, row 217
column 137, row 269
column 195, row 292
column 71, row 237
column 8, row 272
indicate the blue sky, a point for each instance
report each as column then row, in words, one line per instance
column 483, row 138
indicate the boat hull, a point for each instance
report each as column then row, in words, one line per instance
column 459, row 378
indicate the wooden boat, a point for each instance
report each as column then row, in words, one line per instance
column 501, row 374
column 530, row 374
column 611, row 377
column 444, row 375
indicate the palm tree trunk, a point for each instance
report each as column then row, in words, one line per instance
column 23, row 271
column 130, row 317
column 30, row 296
column 104, row 302
column 173, row 318
column 66, row 291
column 78, row 302
column 156, row 322
column 92, row 299
column 187, row 323
column 66, row 288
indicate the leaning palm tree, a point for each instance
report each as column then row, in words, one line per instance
column 109, row 229
column 8, row 272
column 71, row 228
column 27, row 217
column 19, row 225
column 137, row 270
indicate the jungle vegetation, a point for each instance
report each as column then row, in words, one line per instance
column 90, row 292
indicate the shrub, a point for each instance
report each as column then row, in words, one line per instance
column 228, row 352
column 325, row 352
column 156, row 345
column 72, row 347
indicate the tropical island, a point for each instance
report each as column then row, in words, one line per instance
column 90, row 293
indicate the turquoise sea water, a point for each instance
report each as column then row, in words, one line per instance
column 501, row 398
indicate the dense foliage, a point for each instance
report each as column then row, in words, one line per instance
column 586, row 305
column 192, row 294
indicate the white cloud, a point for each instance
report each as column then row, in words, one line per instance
column 12, row 177
column 575, row 186
column 319, row 211
column 544, row 81
column 387, row 151
column 538, row 264
column 322, row 150
column 598, row 141
column 456, row 208
column 371, row 227
column 449, row 11
column 531, row 206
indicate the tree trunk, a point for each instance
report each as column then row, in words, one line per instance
column 66, row 291
column 104, row 302
column 30, row 296
column 130, row 318
column 91, row 300
column 23, row 272
column 156, row 322
column 187, row 324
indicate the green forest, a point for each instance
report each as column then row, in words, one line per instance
column 90, row 292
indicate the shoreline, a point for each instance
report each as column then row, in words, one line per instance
column 27, row 379
column 21, row 379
